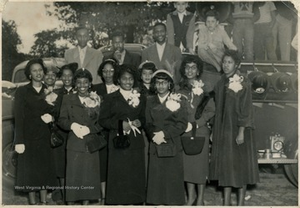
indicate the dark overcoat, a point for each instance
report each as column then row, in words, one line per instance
column 232, row 164
column 165, row 175
column 126, row 183
column 82, row 167
column 35, row 169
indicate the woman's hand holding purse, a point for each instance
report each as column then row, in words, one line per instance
column 20, row 148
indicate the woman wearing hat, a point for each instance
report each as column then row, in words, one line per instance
column 66, row 74
column 79, row 115
column 234, row 157
column 106, row 71
column 166, row 120
column 35, row 169
column 196, row 166
column 124, row 111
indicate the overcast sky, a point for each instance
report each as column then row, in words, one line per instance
column 30, row 18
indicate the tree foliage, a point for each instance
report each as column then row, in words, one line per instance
column 10, row 42
column 101, row 18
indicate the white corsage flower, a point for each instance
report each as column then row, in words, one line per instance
column 92, row 101
column 133, row 99
column 50, row 96
column 235, row 83
column 173, row 102
column 197, row 87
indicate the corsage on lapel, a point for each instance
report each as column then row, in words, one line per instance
column 235, row 83
column 92, row 101
column 92, row 104
column 50, row 96
column 197, row 87
column 173, row 102
column 133, row 98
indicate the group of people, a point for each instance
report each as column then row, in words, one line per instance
column 143, row 109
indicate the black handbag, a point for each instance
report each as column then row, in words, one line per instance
column 192, row 145
column 94, row 142
column 56, row 138
column 166, row 149
column 121, row 141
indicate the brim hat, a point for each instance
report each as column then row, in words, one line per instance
column 146, row 62
column 163, row 71
column 71, row 66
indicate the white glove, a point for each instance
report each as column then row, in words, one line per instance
column 77, row 129
column 20, row 148
column 85, row 130
column 189, row 127
column 159, row 137
column 47, row 118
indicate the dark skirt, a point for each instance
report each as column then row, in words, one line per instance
column 103, row 159
column 82, row 176
column 196, row 167
column 165, row 180
column 36, row 169
column 126, row 183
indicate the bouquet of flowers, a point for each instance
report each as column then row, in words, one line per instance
column 50, row 96
column 197, row 87
column 235, row 83
column 173, row 102
column 92, row 104
column 133, row 99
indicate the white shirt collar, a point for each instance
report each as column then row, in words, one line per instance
column 162, row 99
column 125, row 93
column 160, row 49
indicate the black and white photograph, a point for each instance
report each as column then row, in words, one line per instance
column 150, row 103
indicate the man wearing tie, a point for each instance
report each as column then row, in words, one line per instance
column 120, row 54
column 85, row 56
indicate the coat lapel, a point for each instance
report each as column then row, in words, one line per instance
column 76, row 101
column 165, row 53
column 154, row 54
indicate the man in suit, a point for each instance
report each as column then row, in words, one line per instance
column 120, row 54
column 85, row 56
column 163, row 54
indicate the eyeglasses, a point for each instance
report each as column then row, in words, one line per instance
column 164, row 83
column 187, row 67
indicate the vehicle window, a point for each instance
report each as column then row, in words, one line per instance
column 20, row 77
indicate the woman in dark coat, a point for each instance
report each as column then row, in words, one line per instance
column 106, row 71
column 166, row 120
column 234, row 157
column 35, row 169
column 126, row 167
column 66, row 74
column 79, row 115
column 196, row 166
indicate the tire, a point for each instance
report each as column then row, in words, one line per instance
column 9, row 162
column 291, row 170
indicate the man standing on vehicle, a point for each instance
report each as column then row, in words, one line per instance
column 85, row 56
column 120, row 54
